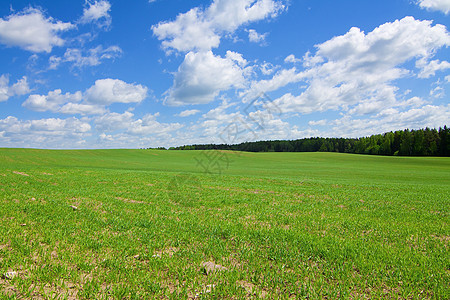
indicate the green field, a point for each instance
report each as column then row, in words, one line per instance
column 153, row 224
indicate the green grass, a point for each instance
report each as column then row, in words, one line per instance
column 299, row 225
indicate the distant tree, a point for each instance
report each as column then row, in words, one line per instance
column 406, row 143
column 402, row 142
column 444, row 145
column 419, row 143
column 385, row 147
column 324, row 147
column 395, row 146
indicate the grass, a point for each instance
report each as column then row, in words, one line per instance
column 284, row 225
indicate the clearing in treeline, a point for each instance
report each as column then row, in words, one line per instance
column 143, row 224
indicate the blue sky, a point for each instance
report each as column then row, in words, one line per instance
column 132, row 74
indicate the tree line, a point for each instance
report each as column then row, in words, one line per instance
column 422, row 142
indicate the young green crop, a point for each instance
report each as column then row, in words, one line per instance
column 276, row 225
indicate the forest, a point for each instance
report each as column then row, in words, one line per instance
column 421, row 142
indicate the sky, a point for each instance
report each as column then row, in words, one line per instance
column 78, row 74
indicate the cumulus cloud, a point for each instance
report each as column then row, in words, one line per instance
column 413, row 102
column 148, row 125
column 359, row 69
column 267, row 68
column 85, row 57
column 66, row 103
column 82, row 109
column 203, row 75
column 255, row 37
column 220, row 126
column 292, row 59
column 441, row 5
column 202, row 29
column 97, row 12
column 52, row 101
column 228, row 123
column 120, row 124
column 32, row 31
column 18, row 89
column 219, row 115
column 280, row 79
column 93, row 101
column 52, row 132
column 432, row 116
column 429, row 69
column 108, row 91
column 113, row 121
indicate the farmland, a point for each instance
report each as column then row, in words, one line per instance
column 135, row 224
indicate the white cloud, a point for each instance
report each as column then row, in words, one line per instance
column 148, row 125
column 255, row 37
column 189, row 112
column 413, row 102
column 292, row 59
column 390, row 120
column 280, row 79
column 203, row 75
column 276, row 129
column 32, row 31
column 50, row 102
column 442, row 5
column 54, row 62
column 219, row 114
column 429, row 68
column 106, row 137
column 51, row 133
column 82, row 57
column 322, row 122
column 267, row 68
column 96, row 12
column 437, row 92
column 237, row 58
column 82, row 109
column 93, row 101
column 226, row 124
column 108, row 91
column 55, row 126
column 222, row 127
column 4, row 88
column 201, row 29
column 359, row 69
column 18, row 89
column 188, row 32
column 113, row 121
column 111, row 129
column 367, row 107
column 230, row 14
column 120, row 125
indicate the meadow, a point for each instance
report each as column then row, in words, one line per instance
column 154, row 224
